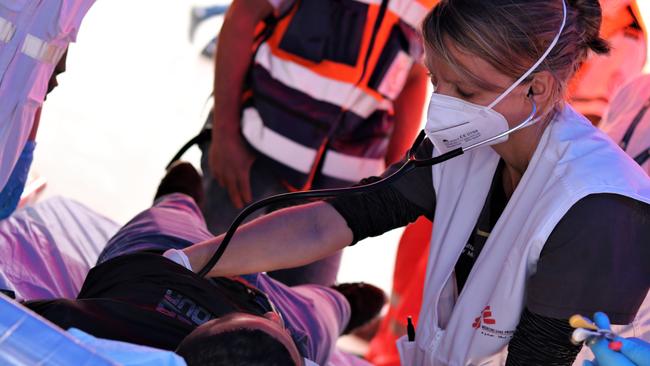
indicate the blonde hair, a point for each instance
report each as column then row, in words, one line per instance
column 511, row 35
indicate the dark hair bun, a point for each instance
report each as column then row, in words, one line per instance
column 589, row 18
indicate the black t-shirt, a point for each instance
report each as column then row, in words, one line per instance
column 147, row 299
column 495, row 203
column 596, row 258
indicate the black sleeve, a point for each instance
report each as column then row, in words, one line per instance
column 596, row 259
column 398, row 204
column 543, row 341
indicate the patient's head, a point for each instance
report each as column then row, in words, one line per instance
column 241, row 339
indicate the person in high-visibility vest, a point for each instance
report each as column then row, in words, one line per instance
column 34, row 37
column 602, row 75
column 310, row 94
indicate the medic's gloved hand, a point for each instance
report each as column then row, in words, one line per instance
column 10, row 195
column 634, row 352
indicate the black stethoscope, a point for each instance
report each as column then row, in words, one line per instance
column 411, row 163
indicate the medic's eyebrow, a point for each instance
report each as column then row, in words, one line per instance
column 476, row 82
column 467, row 77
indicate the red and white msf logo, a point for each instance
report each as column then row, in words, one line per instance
column 486, row 318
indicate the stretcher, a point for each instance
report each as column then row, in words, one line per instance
column 45, row 252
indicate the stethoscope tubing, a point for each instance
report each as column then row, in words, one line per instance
column 410, row 164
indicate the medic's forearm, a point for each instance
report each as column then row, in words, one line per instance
column 283, row 239
column 233, row 58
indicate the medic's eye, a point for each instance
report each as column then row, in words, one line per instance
column 463, row 94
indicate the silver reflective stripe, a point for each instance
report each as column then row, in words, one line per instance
column 309, row 362
column 300, row 157
column 410, row 11
column 7, row 30
column 305, row 80
column 40, row 50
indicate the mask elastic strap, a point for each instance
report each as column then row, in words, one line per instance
column 536, row 65
column 525, row 123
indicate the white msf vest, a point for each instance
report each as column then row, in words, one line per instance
column 34, row 34
column 573, row 160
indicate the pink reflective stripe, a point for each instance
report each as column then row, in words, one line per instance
column 40, row 50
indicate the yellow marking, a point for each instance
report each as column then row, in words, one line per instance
column 579, row 321
column 482, row 233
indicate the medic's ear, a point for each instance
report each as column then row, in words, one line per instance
column 541, row 88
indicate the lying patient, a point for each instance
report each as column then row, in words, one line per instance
column 137, row 295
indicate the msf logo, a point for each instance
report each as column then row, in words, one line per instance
column 485, row 318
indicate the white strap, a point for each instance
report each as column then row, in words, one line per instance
column 7, row 30
column 40, row 50
column 539, row 62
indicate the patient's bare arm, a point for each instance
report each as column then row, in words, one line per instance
column 283, row 239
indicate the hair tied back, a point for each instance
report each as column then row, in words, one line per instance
column 588, row 15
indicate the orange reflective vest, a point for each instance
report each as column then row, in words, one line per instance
column 322, row 86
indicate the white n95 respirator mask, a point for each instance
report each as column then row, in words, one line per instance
column 455, row 123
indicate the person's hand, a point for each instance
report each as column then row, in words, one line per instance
column 634, row 352
column 230, row 163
